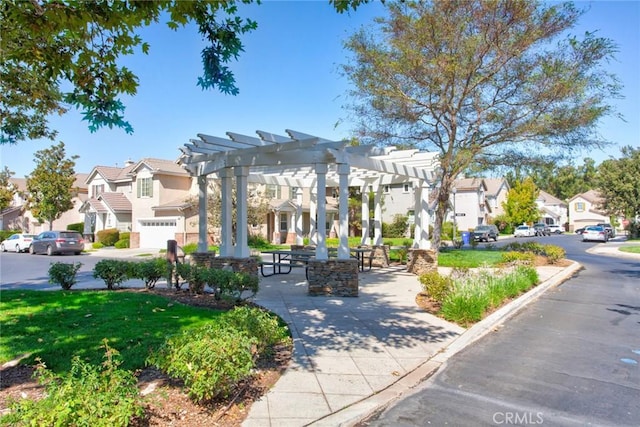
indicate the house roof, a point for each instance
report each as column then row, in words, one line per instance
column 95, row 204
column 548, row 199
column 179, row 204
column 591, row 196
column 495, row 184
column 160, row 166
column 469, row 184
column 111, row 173
column 117, row 202
column 81, row 181
column 20, row 183
column 10, row 210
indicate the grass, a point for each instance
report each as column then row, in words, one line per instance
column 54, row 326
column 469, row 258
column 634, row 249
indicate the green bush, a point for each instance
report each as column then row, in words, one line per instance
column 436, row 285
column 554, row 253
column 231, row 286
column 190, row 248
column 197, row 276
column 397, row 228
column 150, row 271
column 78, row 226
column 87, row 396
column 125, row 235
column 97, row 245
column 533, row 247
column 64, row 274
column 112, row 271
column 256, row 323
column 518, row 257
column 122, row 244
column 211, row 360
column 108, row 237
column 256, row 241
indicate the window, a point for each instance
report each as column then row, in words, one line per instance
column 272, row 191
column 145, row 187
column 292, row 192
column 406, row 187
column 284, row 225
column 97, row 190
column 579, row 206
column 387, row 189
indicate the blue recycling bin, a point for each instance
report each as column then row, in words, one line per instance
column 466, row 237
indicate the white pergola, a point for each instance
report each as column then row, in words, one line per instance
column 306, row 161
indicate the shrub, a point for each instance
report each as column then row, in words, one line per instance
column 190, row 248
column 125, row 235
column 112, row 271
column 97, row 245
column 466, row 304
column 64, row 274
column 397, row 228
column 87, row 396
column 553, row 253
column 195, row 275
column 78, row 226
column 436, row 285
column 108, row 237
column 230, row 285
column 122, row 244
column 256, row 323
column 518, row 257
column 211, row 360
column 150, row 271
column 258, row 241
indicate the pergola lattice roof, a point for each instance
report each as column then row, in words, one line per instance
column 290, row 160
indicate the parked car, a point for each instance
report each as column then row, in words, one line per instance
column 541, row 229
column 524, row 231
column 595, row 233
column 555, row 229
column 610, row 230
column 57, row 242
column 18, row 242
column 580, row 230
column 483, row 233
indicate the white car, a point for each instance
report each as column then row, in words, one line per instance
column 556, row 229
column 524, row 231
column 17, row 242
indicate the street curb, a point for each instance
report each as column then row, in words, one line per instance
column 360, row 411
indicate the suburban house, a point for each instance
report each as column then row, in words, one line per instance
column 150, row 199
column 584, row 209
column 553, row 210
column 469, row 204
column 18, row 217
column 496, row 195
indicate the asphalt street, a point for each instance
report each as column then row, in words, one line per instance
column 568, row 359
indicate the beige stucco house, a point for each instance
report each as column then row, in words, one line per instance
column 584, row 209
column 553, row 210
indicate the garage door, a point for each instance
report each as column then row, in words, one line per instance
column 154, row 233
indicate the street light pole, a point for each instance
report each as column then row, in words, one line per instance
column 455, row 221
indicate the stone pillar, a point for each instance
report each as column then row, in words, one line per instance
column 333, row 277
column 422, row 261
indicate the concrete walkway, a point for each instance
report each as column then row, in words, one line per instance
column 353, row 355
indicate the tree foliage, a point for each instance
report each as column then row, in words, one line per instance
column 65, row 53
column 7, row 190
column 520, row 206
column 619, row 184
column 488, row 82
column 50, row 184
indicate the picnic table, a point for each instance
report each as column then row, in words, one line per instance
column 283, row 261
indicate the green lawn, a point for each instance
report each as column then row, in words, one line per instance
column 54, row 326
column 469, row 258
column 634, row 249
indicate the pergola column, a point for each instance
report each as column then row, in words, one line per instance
column 202, row 214
column 377, row 215
column 242, row 246
column 343, row 211
column 365, row 240
column 313, row 226
column 226, row 213
column 421, row 215
column 299, row 240
column 321, row 248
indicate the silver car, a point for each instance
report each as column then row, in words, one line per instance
column 595, row 232
column 57, row 242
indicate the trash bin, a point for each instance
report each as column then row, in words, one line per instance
column 466, row 237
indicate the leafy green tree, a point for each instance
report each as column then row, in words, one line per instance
column 50, row 184
column 78, row 44
column 7, row 190
column 619, row 184
column 491, row 82
column 520, row 206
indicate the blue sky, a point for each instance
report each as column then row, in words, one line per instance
column 288, row 78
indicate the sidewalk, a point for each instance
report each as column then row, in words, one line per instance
column 354, row 355
column 612, row 248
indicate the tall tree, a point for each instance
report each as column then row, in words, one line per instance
column 479, row 81
column 7, row 190
column 520, row 206
column 50, row 184
column 619, row 184
column 49, row 45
